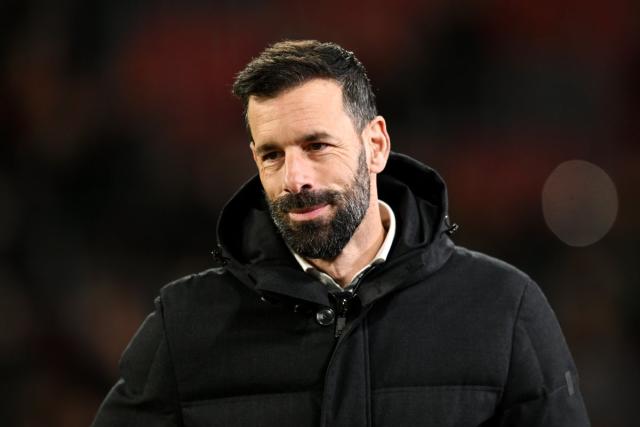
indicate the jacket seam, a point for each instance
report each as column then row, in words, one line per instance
column 544, row 395
column 173, row 367
column 146, row 381
column 513, row 337
column 555, row 391
column 537, row 360
column 367, row 370
column 246, row 398
column 416, row 389
column 327, row 398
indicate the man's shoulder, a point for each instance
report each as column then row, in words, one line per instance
column 195, row 278
column 480, row 260
column 488, row 271
column 200, row 286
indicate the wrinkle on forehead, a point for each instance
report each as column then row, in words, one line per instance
column 313, row 107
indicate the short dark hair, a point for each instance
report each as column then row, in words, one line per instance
column 290, row 63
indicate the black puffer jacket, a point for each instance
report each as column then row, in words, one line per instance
column 436, row 336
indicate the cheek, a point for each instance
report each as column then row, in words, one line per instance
column 269, row 186
column 341, row 176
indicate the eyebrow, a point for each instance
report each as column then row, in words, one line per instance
column 310, row 137
column 265, row 148
column 317, row 136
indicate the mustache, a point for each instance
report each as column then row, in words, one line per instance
column 304, row 199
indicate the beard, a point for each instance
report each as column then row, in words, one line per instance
column 324, row 238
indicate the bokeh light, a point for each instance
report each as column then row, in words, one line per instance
column 579, row 202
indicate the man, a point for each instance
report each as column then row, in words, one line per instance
column 330, row 307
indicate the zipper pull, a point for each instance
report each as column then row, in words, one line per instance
column 343, row 302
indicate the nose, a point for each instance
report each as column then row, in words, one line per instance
column 297, row 172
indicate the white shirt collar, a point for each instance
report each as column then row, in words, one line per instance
column 389, row 224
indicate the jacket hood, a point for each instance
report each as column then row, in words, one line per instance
column 255, row 252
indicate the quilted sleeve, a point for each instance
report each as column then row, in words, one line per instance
column 542, row 386
column 146, row 393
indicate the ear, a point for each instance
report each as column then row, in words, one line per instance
column 377, row 138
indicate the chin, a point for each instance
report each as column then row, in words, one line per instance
column 309, row 225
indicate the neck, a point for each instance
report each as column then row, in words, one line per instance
column 363, row 246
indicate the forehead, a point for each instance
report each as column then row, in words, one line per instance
column 314, row 106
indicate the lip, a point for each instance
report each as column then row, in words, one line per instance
column 308, row 213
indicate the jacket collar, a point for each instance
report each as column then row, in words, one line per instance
column 389, row 223
column 256, row 254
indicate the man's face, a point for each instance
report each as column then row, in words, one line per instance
column 312, row 165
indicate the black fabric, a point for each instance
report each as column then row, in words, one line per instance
column 442, row 336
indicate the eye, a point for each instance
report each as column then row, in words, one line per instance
column 271, row 156
column 316, row 146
